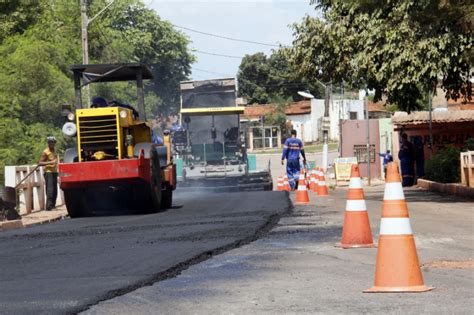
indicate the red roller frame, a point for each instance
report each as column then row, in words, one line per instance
column 83, row 174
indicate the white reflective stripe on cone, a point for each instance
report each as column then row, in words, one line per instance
column 393, row 191
column 302, row 187
column 356, row 205
column 355, row 182
column 395, row 226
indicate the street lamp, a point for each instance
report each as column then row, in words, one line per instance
column 326, row 122
column 306, row 94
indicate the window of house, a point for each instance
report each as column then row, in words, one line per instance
column 352, row 115
column 265, row 137
column 360, row 152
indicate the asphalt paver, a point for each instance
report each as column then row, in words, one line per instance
column 67, row 266
column 297, row 268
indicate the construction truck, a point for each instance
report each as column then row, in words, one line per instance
column 114, row 164
column 209, row 141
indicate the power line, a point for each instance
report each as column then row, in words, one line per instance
column 212, row 72
column 215, row 54
column 225, row 37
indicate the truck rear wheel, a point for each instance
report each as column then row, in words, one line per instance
column 155, row 183
column 166, row 197
column 75, row 203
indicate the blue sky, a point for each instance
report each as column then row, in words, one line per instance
column 264, row 21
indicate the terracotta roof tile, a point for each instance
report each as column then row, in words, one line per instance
column 296, row 108
column 415, row 118
column 377, row 107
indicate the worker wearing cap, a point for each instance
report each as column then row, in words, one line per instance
column 291, row 152
column 49, row 160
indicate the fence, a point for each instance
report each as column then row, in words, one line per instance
column 467, row 168
column 32, row 190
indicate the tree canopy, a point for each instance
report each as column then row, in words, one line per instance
column 401, row 49
column 40, row 40
column 265, row 79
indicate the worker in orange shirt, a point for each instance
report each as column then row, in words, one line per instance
column 49, row 160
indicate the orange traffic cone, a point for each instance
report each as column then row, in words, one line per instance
column 302, row 197
column 280, row 183
column 286, row 184
column 316, row 180
column 312, row 182
column 356, row 230
column 308, row 179
column 322, row 188
column 397, row 268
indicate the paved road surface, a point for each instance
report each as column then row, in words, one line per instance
column 68, row 265
column 296, row 269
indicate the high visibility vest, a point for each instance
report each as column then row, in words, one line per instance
column 51, row 168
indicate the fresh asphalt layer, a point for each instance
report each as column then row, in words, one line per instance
column 67, row 266
column 296, row 267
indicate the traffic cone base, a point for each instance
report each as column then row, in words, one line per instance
column 412, row 289
column 356, row 231
column 404, row 269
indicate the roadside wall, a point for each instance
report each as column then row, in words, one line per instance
column 354, row 133
column 10, row 180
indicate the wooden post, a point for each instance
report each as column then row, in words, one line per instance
column 40, row 189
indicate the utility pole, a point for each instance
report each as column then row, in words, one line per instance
column 430, row 127
column 85, row 44
column 368, row 134
column 85, row 21
column 326, row 124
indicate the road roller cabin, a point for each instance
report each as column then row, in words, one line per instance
column 114, row 165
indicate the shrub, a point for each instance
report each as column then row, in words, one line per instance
column 444, row 167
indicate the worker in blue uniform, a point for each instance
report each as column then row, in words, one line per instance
column 291, row 152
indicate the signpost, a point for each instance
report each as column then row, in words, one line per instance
column 342, row 168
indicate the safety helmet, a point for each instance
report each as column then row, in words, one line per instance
column 51, row 138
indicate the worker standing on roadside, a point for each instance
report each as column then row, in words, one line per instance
column 291, row 152
column 387, row 158
column 49, row 160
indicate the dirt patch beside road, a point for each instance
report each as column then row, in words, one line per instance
column 466, row 264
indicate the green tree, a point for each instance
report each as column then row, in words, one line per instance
column 40, row 40
column 263, row 78
column 253, row 77
column 142, row 36
column 278, row 116
column 400, row 49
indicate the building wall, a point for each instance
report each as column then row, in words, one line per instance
column 338, row 109
column 304, row 126
column 354, row 133
column 454, row 133
column 317, row 113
